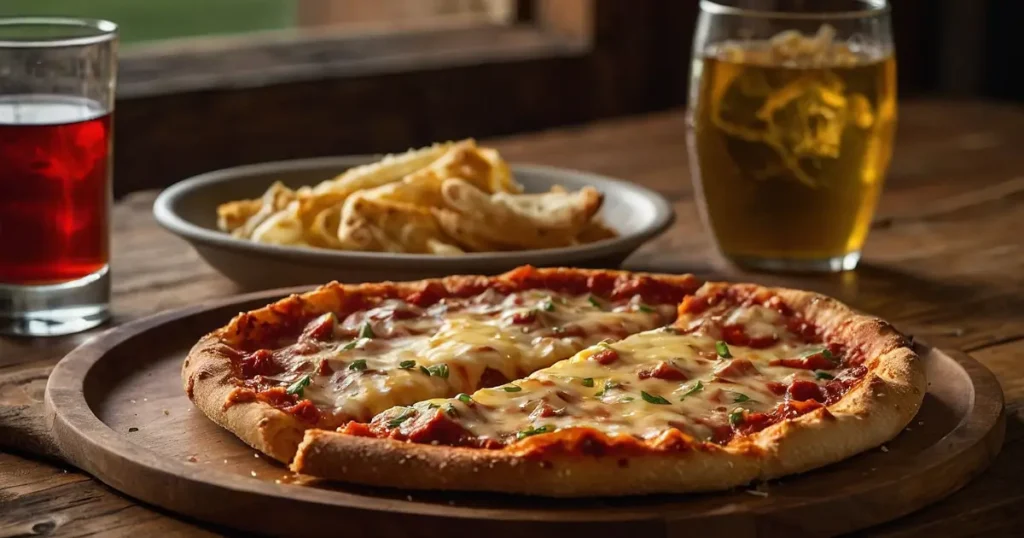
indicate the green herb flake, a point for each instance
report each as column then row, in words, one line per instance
column 593, row 301
column 653, row 398
column 723, row 349
column 464, row 398
column 823, row 375
column 358, row 365
column 626, row 399
column 299, row 386
column 588, row 382
column 736, row 417
column 740, row 397
column 450, row 410
column 424, row 370
column 608, row 385
column 351, row 345
column 366, row 331
column 438, row 370
column 534, row 431
column 397, row 421
column 824, row 352
column 671, row 330
column 432, row 405
column 697, row 387
column 511, row 388
column 548, row 305
column 407, row 365
column 644, row 308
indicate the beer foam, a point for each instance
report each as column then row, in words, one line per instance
column 791, row 48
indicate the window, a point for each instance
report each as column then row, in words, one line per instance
column 149, row 21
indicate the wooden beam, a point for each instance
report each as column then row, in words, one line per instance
column 572, row 19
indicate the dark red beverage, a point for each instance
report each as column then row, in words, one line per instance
column 54, row 189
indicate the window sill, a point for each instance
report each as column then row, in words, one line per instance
column 257, row 61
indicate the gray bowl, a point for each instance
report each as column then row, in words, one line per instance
column 188, row 209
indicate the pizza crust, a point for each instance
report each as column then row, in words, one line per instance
column 871, row 413
column 209, row 381
column 386, row 462
column 207, row 376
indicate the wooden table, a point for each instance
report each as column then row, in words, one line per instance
column 945, row 262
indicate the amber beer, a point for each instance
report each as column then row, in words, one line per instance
column 792, row 143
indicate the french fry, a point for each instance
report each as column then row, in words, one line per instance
column 395, row 227
column 389, row 169
column 422, row 188
column 233, row 215
column 464, row 231
column 480, row 167
column 555, row 209
column 276, row 199
column 323, row 231
column 281, row 228
column 517, row 221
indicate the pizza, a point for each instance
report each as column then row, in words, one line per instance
column 349, row 352
column 590, row 383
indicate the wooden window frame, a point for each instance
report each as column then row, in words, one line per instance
column 541, row 29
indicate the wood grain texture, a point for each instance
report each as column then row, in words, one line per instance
column 945, row 261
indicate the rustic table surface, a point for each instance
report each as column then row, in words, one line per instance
column 944, row 262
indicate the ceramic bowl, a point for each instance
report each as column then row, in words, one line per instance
column 188, row 209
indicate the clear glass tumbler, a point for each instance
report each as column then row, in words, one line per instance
column 791, row 123
column 57, row 79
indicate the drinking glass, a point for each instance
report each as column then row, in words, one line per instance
column 57, row 81
column 790, row 128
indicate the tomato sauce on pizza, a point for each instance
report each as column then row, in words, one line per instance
column 731, row 365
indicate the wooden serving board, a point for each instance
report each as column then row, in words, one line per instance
column 115, row 408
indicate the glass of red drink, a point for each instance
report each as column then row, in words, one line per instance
column 57, row 79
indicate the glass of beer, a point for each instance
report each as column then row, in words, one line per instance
column 56, row 100
column 791, row 121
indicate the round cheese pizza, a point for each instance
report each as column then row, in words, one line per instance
column 557, row 382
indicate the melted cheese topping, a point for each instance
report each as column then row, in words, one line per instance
column 757, row 321
column 557, row 397
column 643, row 385
column 455, row 346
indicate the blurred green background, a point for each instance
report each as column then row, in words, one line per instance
column 153, row 20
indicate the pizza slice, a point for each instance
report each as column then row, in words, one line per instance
column 344, row 353
column 749, row 383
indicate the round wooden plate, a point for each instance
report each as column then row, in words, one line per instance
column 118, row 411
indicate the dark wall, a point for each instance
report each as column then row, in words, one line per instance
column 1003, row 72
column 960, row 48
column 916, row 26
